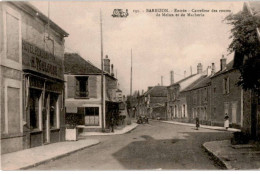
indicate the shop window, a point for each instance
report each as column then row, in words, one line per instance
column 34, row 108
column 54, row 110
column 82, row 87
column 92, row 116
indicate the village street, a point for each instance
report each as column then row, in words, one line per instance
column 150, row 146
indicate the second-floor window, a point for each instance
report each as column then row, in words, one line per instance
column 82, row 87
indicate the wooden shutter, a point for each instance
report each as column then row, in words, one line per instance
column 92, row 86
column 77, row 88
column 227, row 85
column 224, row 86
column 71, row 84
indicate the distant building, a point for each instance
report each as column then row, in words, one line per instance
column 31, row 78
column 83, row 91
column 153, row 102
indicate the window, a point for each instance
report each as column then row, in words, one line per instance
column 214, row 89
column 184, row 110
column 53, row 110
column 226, row 85
column 34, row 108
column 92, row 116
column 82, row 87
column 175, row 111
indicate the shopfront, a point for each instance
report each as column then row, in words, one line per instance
column 43, row 97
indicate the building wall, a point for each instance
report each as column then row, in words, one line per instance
column 17, row 27
column 11, row 80
column 226, row 103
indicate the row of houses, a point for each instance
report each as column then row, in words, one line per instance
column 208, row 95
column 39, row 85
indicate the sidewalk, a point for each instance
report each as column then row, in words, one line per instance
column 38, row 155
column 234, row 157
column 203, row 126
column 116, row 132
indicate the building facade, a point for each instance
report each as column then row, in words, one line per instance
column 32, row 84
column 83, row 92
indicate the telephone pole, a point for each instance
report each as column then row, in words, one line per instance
column 102, row 75
column 131, row 80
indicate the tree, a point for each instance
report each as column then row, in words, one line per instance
column 246, row 46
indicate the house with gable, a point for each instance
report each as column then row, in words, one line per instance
column 83, row 92
column 176, row 100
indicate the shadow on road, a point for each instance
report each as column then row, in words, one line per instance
column 182, row 154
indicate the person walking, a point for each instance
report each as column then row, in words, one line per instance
column 197, row 123
column 226, row 122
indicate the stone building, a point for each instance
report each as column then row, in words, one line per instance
column 226, row 96
column 31, row 78
column 83, row 92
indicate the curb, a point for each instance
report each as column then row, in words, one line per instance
column 110, row 134
column 56, row 157
column 201, row 126
column 216, row 158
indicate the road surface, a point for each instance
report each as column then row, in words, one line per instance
column 154, row 146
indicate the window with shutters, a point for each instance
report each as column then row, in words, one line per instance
column 82, row 90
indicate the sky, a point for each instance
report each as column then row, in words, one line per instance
column 159, row 44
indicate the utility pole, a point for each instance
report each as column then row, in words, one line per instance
column 102, row 75
column 131, row 80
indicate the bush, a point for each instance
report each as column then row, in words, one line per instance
column 72, row 120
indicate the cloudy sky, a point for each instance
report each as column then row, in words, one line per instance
column 159, row 44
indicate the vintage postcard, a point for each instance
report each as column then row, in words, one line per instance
column 130, row 85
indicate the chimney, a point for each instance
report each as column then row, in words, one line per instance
column 199, row 68
column 184, row 74
column 209, row 71
column 161, row 80
column 213, row 68
column 107, row 64
column 223, row 63
column 142, row 91
column 112, row 70
column 172, row 77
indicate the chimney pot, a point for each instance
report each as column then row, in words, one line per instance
column 213, row 68
column 172, row 77
column 199, row 68
column 223, row 63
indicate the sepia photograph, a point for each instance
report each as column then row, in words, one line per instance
column 130, row 85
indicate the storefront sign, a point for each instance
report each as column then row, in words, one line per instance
column 41, row 61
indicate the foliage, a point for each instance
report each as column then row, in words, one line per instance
column 71, row 120
column 246, row 45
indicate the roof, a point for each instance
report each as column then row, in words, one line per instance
column 201, row 82
column 157, row 91
column 75, row 64
column 182, row 80
column 229, row 67
column 118, row 90
column 32, row 10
